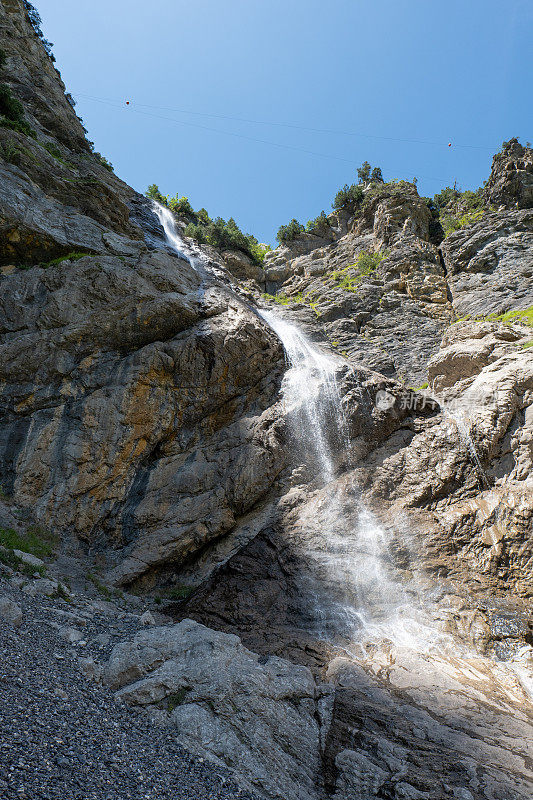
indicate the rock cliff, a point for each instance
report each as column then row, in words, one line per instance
column 143, row 421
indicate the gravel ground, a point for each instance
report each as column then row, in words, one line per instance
column 63, row 737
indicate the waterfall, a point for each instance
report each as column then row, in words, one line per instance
column 356, row 588
column 357, row 594
column 168, row 222
column 310, row 394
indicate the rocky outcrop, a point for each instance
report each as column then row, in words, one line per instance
column 426, row 728
column 411, row 726
column 489, row 264
column 58, row 159
column 511, row 180
column 135, row 390
column 379, row 279
column 127, row 388
column 262, row 716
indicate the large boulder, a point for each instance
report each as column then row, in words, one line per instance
column 260, row 716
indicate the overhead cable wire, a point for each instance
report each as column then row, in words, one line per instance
column 294, row 126
column 295, row 148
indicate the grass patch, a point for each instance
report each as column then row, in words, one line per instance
column 61, row 594
column 55, row 152
column 9, row 559
column 349, row 278
column 70, row 257
column 37, row 540
column 526, row 345
column 522, row 316
column 280, row 299
column 451, row 223
column 18, row 125
column 179, row 592
column 176, row 699
column 99, row 586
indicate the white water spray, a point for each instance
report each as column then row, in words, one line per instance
column 168, row 222
column 357, row 590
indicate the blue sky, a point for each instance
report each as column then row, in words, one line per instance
column 382, row 71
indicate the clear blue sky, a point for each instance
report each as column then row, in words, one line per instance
column 458, row 71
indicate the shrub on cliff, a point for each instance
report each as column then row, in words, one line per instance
column 348, row 196
column 458, row 209
column 36, row 22
column 154, row 194
column 180, row 205
column 286, row 233
column 10, row 107
column 319, row 226
column 12, row 111
column 224, row 236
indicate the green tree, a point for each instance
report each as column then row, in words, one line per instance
column 363, row 172
column 348, row 196
column 319, row 226
column 377, row 175
column 180, row 205
column 154, row 194
column 287, row 233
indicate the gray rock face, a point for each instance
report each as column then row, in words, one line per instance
column 490, row 264
column 511, row 180
column 34, row 227
column 412, row 725
column 59, row 160
column 452, row 714
column 157, row 392
column 258, row 715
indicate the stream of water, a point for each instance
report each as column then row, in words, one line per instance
column 365, row 599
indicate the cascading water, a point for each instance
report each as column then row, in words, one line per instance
column 168, row 223
column 357, row 593
column 360, row 599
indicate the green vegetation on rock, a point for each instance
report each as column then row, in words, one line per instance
column 286, row 233
column 319, row 226
column 348, row 196
column 457, row 209
column 177, row 698
column 349, row 278
column 36, row 22
column 36, row 540
column 69, row 257
column 521, row 316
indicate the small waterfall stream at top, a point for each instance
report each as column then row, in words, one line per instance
column 357, row 595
